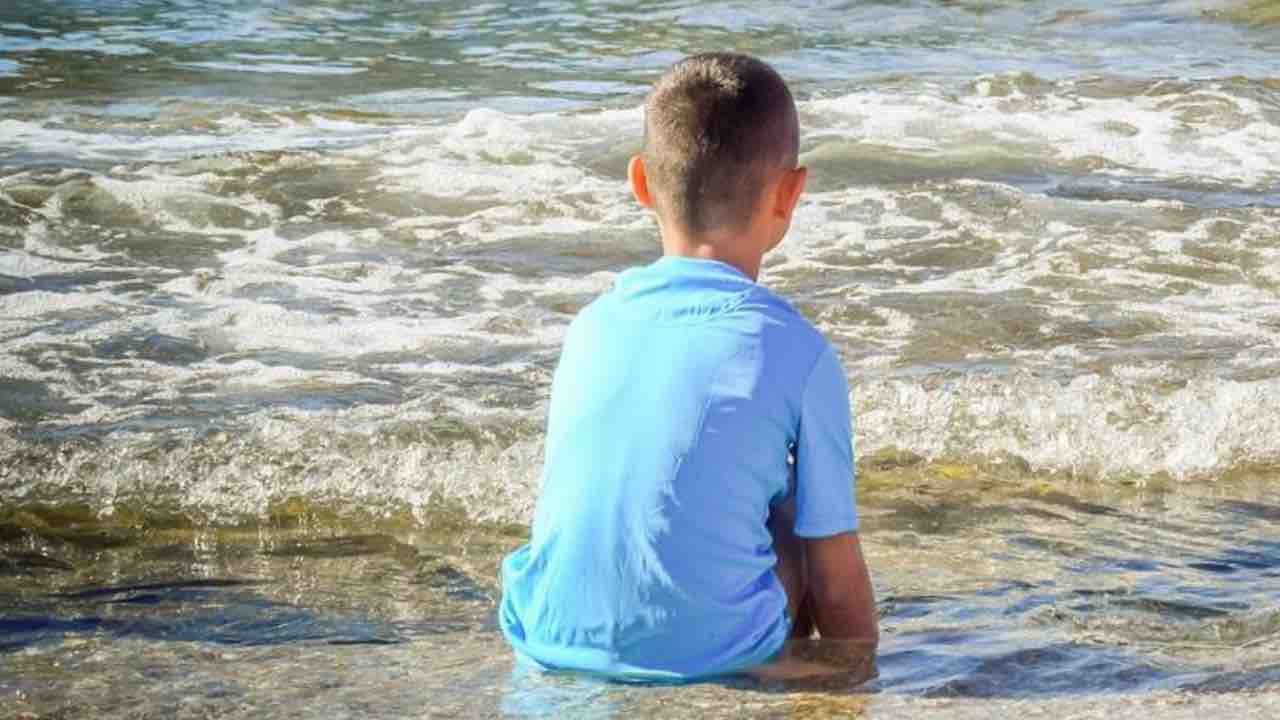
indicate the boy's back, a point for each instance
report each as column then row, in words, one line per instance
column 681, row 398
column 697, row 505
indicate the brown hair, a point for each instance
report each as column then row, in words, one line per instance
column 715, row 126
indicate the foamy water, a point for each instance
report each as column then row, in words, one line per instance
column 309, row 265
column 1079, row 273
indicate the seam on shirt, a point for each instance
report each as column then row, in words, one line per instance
column 666, row 319
column 823, row 348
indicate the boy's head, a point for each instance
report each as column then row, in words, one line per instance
column 720, row 133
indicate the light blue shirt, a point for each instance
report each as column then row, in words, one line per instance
column 685, row 399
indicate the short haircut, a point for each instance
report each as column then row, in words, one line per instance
column 715, row 127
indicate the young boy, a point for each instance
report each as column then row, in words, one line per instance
column 697, row 505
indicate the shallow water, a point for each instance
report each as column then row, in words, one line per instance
column 282, row 285
column 989, row 590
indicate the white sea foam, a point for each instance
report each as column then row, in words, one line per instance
column 253, row 374
column 246, row 325
column 978, row 316
column 1094, row 426
column 46, row 139
column 38, row 303
column 1206, row 133
column 300, row 68
column 20, row 263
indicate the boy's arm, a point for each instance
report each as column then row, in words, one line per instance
column 839, row 586
column 844, row 605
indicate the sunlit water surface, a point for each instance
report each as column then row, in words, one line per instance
column 282, row 285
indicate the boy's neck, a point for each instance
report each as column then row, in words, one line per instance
column 738, row 251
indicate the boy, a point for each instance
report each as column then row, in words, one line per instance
column 697, row 504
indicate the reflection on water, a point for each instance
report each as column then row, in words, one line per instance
column 986, row 591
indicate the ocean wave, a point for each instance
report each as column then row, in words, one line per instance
column 1063, row 277
column 393, row 463
column 1020, row 124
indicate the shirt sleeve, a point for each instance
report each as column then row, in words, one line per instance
column 825, row 485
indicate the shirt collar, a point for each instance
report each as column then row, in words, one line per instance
column 683, row 265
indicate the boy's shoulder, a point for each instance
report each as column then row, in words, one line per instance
column 737, row 298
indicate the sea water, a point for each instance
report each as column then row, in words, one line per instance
column 282, row 286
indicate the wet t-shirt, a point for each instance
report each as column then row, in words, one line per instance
column 685, row 400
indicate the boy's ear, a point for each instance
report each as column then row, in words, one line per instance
column 790, row 188
column 639, row 181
